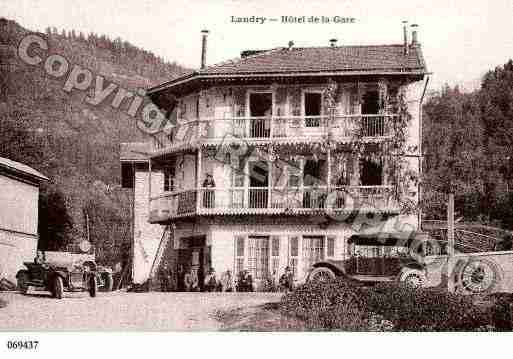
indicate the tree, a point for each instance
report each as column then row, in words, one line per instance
column 54, row 221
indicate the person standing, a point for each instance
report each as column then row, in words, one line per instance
column 227, row 281
column 209, row 194
column 210, row 282
column 180, row 285
column 287, row 280
column 245, row 282
column 191, row 280
column 165, row 277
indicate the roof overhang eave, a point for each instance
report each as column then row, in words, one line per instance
column 199, row 76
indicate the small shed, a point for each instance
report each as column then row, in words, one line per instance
column 19, row 197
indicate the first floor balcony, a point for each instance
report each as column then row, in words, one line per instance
column 270, row 200
column 278, row 129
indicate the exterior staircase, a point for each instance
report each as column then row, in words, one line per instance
column 167, row 237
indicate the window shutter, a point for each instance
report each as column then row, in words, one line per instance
column 239, row 102
column 330, row 252
column 239, row 254
column 275, row 255
column 293, row 255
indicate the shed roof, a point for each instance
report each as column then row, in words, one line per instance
column 20, row 168
column 135, row 151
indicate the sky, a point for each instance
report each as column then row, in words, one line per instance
column 460, row 39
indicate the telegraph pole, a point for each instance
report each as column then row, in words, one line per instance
column 450, row 243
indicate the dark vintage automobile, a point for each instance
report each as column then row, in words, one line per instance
column 374, row 257
column 59, row 277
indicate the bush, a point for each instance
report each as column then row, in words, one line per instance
column 425, row 309
column 341, row 305
column 327, row 306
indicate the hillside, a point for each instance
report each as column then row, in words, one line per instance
column 72, row 142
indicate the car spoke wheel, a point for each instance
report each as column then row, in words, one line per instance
column 413, row 280
column 58, row 287
column 321, row 275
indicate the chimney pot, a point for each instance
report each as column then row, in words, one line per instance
column 204, row 34
column 333, row 42
column 414, row 35
column 405, row 37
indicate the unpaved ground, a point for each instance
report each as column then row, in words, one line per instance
column 124, row 311
column 264, row 317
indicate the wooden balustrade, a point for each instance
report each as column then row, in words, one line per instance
column 266, row 200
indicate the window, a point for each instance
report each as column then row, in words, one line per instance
column 294, row 254
column 313, row 250
column 168, row 180
column 258, row 259
column 313, row 108
column 239, row 254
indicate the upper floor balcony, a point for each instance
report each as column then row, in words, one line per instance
column 271, row 200
column 279, row 129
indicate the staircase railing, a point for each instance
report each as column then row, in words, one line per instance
column 164, row 241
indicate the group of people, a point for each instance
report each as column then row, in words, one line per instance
column 189, row 281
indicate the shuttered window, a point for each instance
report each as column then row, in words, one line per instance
column 294, row 255
column 275, row 254
column 239, row 254
column 258, row 257
column 330, row 250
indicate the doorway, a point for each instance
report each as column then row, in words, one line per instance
column 260, row 106
column 195, row 254
column 372, row 125
column 313, row 197
column 371, row 173
column 258, row 184
column 313, row 108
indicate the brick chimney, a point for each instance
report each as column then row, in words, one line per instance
column 204, row 34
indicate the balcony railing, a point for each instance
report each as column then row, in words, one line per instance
column 279, row 128
column 270, row 200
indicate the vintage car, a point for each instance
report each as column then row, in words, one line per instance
column 419, row 260
column 59, row 277
column 374, row 257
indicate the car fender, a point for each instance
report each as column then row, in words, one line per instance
column 336, row 266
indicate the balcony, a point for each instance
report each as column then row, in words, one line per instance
column 268, row 201
column 282, row 129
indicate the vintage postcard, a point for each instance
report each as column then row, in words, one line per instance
column 261, row 166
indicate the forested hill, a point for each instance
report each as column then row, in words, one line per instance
column 70, row 141
column 468, row 148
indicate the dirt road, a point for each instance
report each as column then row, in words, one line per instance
column 123, row 311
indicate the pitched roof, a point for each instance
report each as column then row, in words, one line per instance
column 343, row 60
column 17, row 167
column 135, row 151
column 319, row 59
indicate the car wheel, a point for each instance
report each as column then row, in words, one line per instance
column 413, row 279
column 58, row 287
column 321, row 274
column 108, row 282
column 93, row 286
column 23, row 279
